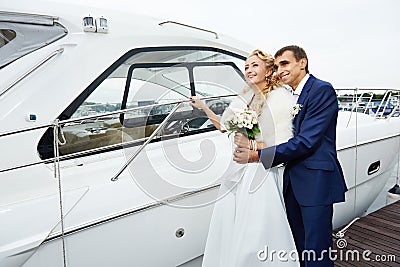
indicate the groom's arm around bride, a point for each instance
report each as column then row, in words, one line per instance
column 313, row 178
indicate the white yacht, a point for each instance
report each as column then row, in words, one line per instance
column 104, row 162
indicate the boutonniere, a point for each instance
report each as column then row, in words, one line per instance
column 296, row 109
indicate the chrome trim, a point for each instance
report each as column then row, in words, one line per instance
column 368, row 142
column 189, row 26
column 83, row 153
column 105, row 115
column 116, row 216
column 23, row 76
column 136, row 108
column 94, row 150
column 27, row 18
column 374, row 167
column 151, row 137
column 26, row 129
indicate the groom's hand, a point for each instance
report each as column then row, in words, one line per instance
column 243, row 155
column 241, row 140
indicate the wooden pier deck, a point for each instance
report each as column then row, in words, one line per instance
column 375, row 239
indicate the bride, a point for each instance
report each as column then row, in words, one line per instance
column 249, row 226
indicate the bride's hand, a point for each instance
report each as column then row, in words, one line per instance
column 241, row 140
column 196, row 102
column 244, row 155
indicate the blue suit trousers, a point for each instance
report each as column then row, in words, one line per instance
column 312, row 230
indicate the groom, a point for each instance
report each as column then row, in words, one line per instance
column 313, row 178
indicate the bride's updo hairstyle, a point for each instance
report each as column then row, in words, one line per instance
column 271, row 81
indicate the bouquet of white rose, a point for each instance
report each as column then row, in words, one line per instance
column 243, row 121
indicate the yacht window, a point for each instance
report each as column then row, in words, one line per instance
column 19, row 39
column 6, row 36
column 148, row 83
column 217, row 80
column 153, row 88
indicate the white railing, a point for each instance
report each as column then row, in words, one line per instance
column 57, row 130
column 379, row 103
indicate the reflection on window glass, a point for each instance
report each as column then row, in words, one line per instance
column 107, row 97
column 218, row 80
column 103, row 22
column 6, row 36
column 88, row 21
column 103, row 131
column 151, row 84
column 158, row 87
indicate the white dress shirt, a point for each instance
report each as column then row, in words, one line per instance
column 300, row 87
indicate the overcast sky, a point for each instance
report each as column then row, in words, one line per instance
column 351, row 43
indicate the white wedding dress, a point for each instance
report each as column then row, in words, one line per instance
column 249, row 226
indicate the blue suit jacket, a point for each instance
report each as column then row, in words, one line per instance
column 310, row 156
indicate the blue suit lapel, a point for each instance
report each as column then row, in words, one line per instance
column 302, row 99
column 306, row 89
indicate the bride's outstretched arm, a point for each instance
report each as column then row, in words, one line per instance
column 214, row 118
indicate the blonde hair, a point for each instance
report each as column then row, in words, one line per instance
column 271, row 81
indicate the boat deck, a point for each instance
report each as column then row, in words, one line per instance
column 373, row 240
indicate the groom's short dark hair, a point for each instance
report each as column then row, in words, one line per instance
column 298, row 52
